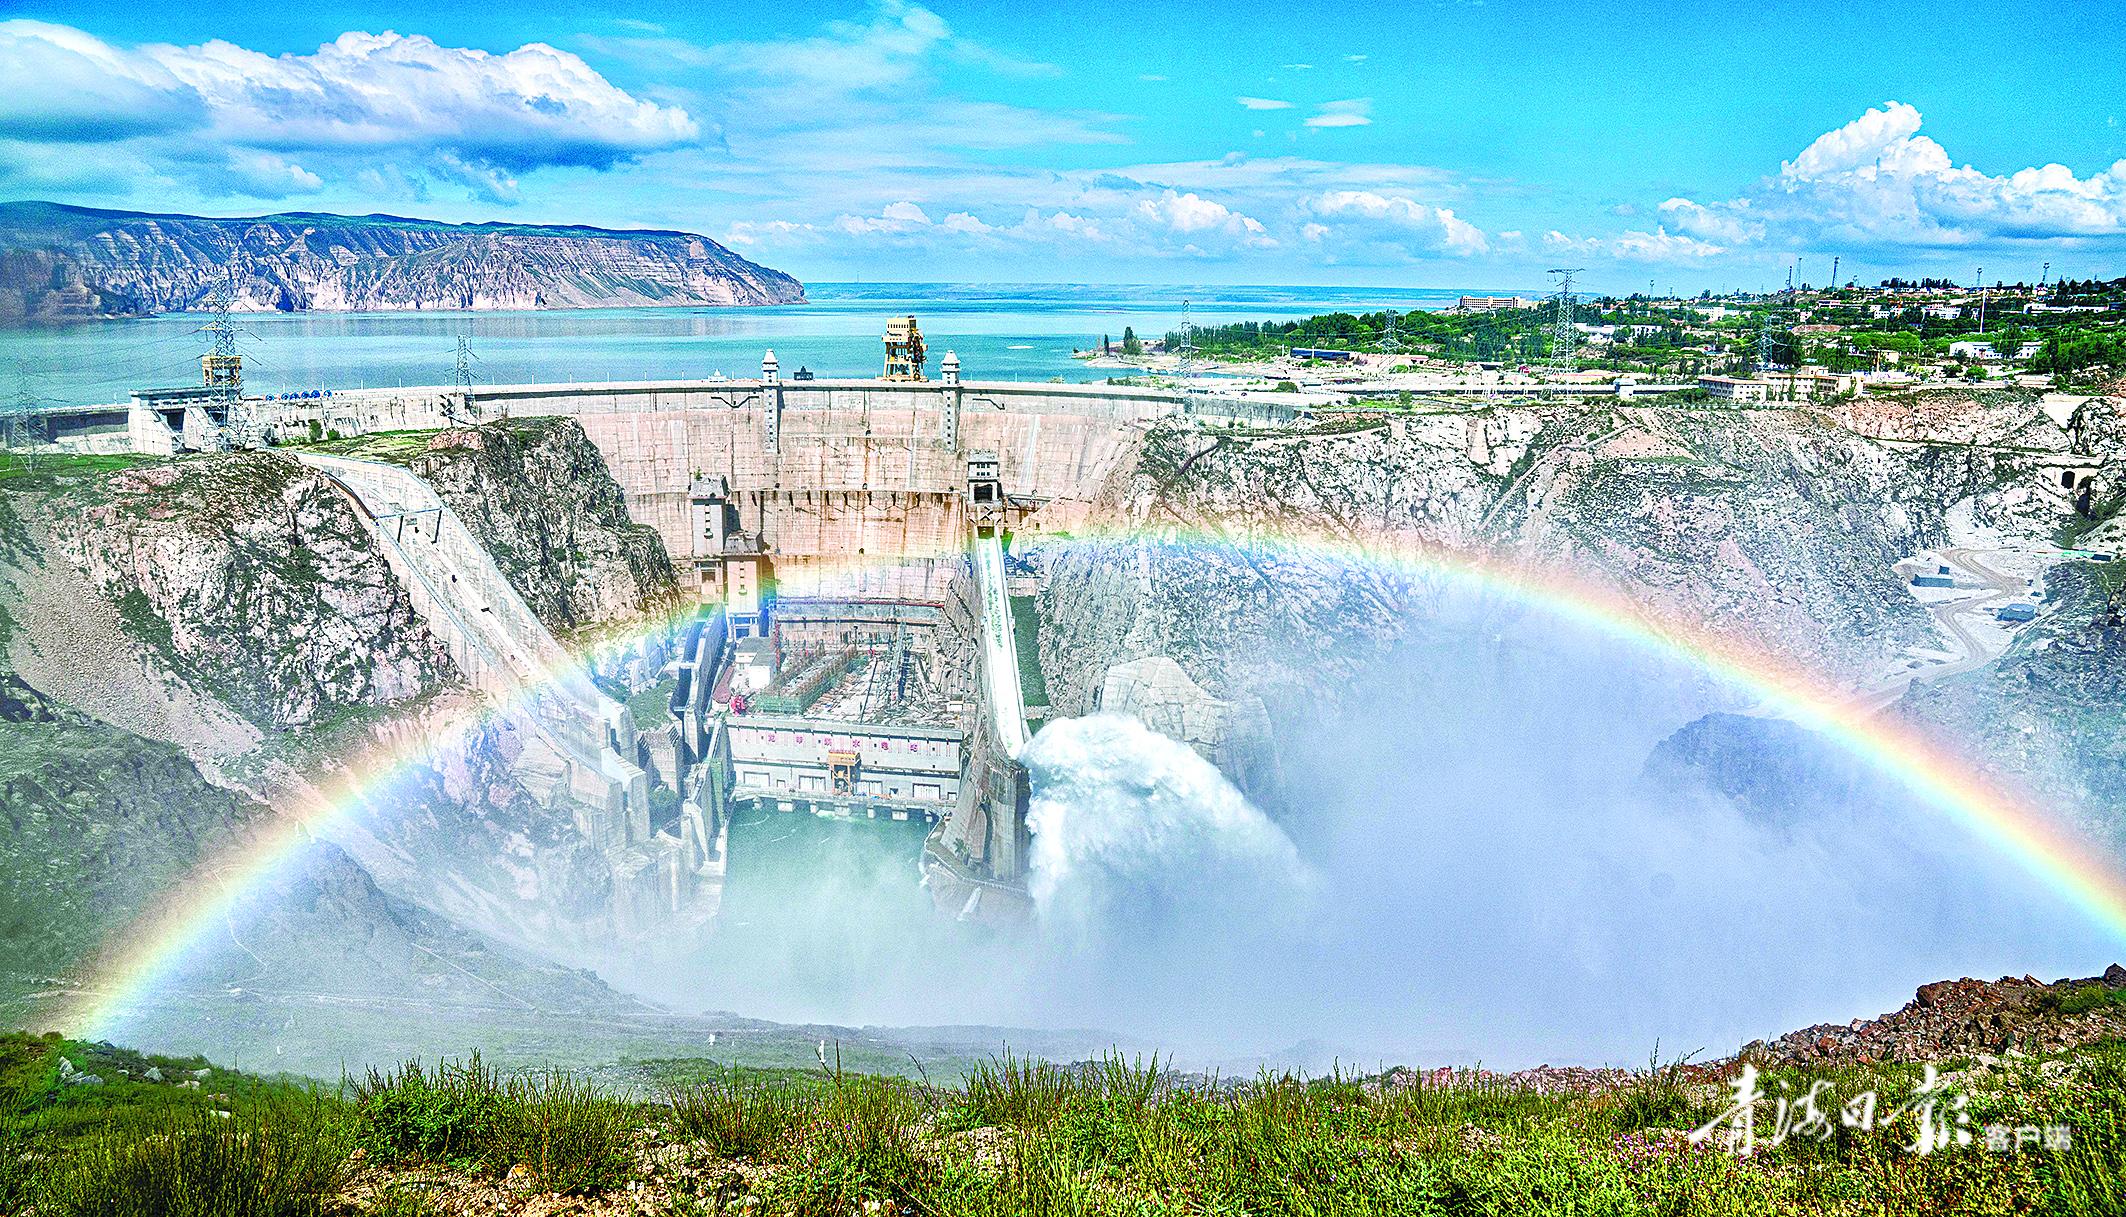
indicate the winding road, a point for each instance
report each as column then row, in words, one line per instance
column 1978, row 651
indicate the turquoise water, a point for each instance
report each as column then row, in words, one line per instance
column 1001, row 332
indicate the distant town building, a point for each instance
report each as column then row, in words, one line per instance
column 1734, row 388
column 1987, row 352
column 1491, row 304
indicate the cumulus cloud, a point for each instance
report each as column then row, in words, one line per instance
column 1192, row 215
column 1165, row 224
column 1877, row 182
column 1635, row 245
column 67, row 86
column 1263, row 103
column 1351, row 112
column 1417, row 226
column 463, row 114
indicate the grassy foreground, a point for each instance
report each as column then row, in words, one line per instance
column 158, row 1136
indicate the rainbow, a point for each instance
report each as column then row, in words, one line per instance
column 142, row 957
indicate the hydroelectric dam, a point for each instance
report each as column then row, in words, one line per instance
column 844, row 542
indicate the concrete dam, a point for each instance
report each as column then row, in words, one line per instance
column 852, row 652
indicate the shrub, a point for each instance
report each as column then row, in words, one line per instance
column 1658, row 1099
column 861, row 1143
column 1014, row 1091
column 572, row 1138
column 737, row 1116
column 2083, row 998
column 449, row 1114
column 195, row 1162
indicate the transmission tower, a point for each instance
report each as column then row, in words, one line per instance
column 1834, row 272
column 462, row 377
column 21, row 429
column 1562, row 336
column 2042, row 275
column 1390, row 341
column 221, row 369
column 1188, row 341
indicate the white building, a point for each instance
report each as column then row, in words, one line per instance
column 1734, row 388
column 1985, row 351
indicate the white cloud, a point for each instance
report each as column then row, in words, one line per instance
column 1635, row 245
column 1876, row 182
column 1352, row 112
column 1263, row 103
column 1354, row 59
column 1195, row 215
column 1164, row 224
column 1733, row 222
column 1413, row 225
column 466, row 114
column 68, row 86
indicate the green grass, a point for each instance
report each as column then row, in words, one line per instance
column 49, row 469
column 2083, row 998
column 652, row 707
column 201, row 1162
column 569, row 1136
column 1020, row 1136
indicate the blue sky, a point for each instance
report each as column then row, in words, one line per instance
column 1449, row 143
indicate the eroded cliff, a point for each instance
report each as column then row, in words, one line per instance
column 60, row 261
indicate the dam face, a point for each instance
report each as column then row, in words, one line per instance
column 850, row 659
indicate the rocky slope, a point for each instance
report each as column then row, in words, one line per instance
column 538, row 495
column 1767, row 524
column 188, row 643
column 58, row 261
column 2050, row 715
column 1778, row 528
column 254, row 578
column 101, row 821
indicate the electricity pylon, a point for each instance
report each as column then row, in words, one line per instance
column 1563, row 338
column 462, row 377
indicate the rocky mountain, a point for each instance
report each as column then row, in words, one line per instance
column 1723, row 517
column 58, row 261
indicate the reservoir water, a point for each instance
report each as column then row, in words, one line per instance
column 1001, row 332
